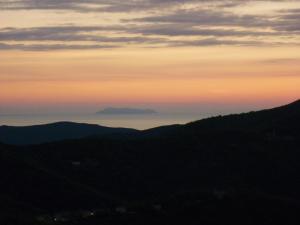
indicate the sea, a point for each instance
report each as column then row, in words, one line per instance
column 140, row 122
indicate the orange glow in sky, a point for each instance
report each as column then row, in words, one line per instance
column 183, row 53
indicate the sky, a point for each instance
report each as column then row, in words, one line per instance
column 83, row 55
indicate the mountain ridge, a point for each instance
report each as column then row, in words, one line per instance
column 253, row 120
column 37, row 134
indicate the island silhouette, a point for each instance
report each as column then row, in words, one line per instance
column 125, row 111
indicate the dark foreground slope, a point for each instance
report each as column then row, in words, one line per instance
column 54, row 132
column 238, row 169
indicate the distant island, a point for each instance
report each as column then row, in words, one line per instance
column 126, row 111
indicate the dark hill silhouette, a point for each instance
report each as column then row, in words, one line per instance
column 54, row 132
column 271, row 120
column 280, row 119
column 284, row 117
column 235, row 169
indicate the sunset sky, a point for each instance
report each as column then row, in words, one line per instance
column 82, row 55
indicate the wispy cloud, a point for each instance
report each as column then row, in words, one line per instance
column 281, row 61
column 46, row 47
column 115, row 5
column 165, row 23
